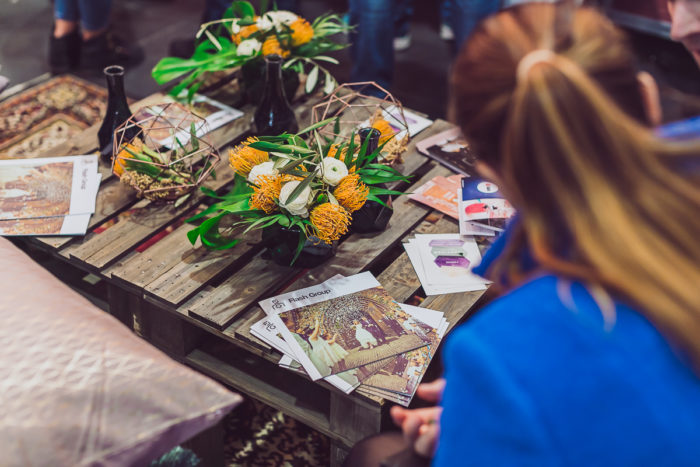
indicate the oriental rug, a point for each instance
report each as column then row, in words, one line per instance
column 48, row 114
column 256, row 434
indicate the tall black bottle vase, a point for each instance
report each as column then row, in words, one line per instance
column 373, row 216
column 274, row 115
column 117, row 111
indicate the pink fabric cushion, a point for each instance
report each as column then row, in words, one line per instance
column 78, row 388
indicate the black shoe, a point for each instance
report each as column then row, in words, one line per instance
column 64, row 52
column 106, row 49
column 181, row 48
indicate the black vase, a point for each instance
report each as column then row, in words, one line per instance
column 274, row 114
column 117, row 111
column 373, row 216
column 253, row 79
column 281, row 244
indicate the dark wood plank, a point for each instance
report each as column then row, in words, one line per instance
column 139, row 269
column 112, row 198
column 196, row 269
column 236, row 294
column 98, row 251
column 455, row 306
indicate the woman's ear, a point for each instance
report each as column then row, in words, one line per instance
column 650, row 97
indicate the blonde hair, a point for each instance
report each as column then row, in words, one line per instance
column 599, row 198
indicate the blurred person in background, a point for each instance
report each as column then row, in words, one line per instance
column 591, row 355
column 81, row 39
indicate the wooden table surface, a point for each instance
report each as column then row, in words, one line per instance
column 198, row 305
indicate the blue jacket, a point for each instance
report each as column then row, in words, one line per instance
column 538, row 378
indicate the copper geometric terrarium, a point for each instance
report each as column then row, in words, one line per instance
column 355, row 106
column 159, row 153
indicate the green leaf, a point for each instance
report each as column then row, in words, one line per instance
column 193, row 235
column 182, row 199
column 315, row 126
column 311, row 80
column 283, row 221
column 383, row 191
column 193, row 137
column 302, row 185
column 292, row 165
column 243, row 9
column 285, row 149
column 330, row 84
column 325, row 58
column 351, row 151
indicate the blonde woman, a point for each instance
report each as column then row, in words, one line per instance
column 592, row 354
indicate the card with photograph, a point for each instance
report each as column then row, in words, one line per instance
column 48, row 187
column 357, row 324
column 441, row 193
column 75, row 224
column 482, row 208
column 450, row 149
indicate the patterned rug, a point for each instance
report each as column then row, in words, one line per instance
column 48, row 114
column 258, row 435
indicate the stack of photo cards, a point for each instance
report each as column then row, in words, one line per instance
column 443, row 263
column 48, row 196
column 346, row 330
column 482, row 208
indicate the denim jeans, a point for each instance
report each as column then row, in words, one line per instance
column 92, row 14
column 215, row 9
column 372, row 41
column 404, row 13
column 375, row 22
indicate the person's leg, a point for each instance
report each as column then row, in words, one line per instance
column 372, row 41
column 64, row 41
column 385, row 450
column 466, row 14
column 94, row 17
column 215, row 9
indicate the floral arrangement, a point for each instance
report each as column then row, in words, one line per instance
column 243, row 37
column 162, row 160
column 311, row 186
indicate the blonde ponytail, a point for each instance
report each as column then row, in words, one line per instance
column 598, row 198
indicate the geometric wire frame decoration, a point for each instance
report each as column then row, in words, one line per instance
column 177, row 162
column 357, row 107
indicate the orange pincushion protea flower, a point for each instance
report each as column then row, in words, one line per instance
column 243, row 158
column 244, row 33
column 333, row 152
column 120, row 161
column 302, row 32
column 384, row 128
column 266, row 194
column 330, row 221
column 272, row 46
column 351, row 193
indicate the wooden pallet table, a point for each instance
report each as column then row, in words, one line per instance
column 198, row 305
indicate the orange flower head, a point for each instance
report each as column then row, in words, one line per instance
column 266, row 194
column 243, row 158
column 302, row 32
column 351, row 193
column 120, row 161
column 333, row 152
column 384, row 128
column 330, row 221
column 272, row 46
column 244, row 33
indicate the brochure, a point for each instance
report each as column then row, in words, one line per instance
column 482, row 208
column 336, row 327
column 48, row 187
column 441, row 193
column 450, row 149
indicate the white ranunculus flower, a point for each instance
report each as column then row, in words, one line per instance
column 281, row 17
column 235, row 28
column 298, row 206
column 249, row 47
column 266, row 168
column 334, row 170
column 264, row 23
